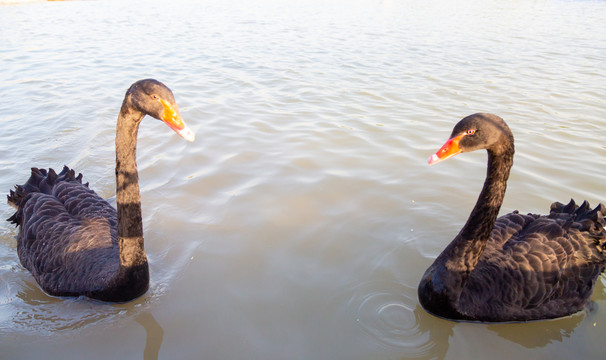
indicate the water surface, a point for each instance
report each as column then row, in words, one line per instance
column 300, row 221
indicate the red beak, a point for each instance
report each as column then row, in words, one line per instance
column 448, row 150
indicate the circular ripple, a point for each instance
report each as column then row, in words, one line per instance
column 386, row 311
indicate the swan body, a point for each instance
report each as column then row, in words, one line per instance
column 74, row 242
column 515, row 267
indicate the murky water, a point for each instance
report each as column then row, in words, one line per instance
column 298, row 224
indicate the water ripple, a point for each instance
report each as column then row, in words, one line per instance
column 387, row 312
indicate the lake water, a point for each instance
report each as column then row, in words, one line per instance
column 299, row 222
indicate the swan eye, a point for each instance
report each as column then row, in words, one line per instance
column 470, row 132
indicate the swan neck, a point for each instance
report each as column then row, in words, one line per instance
column 485, row 212
column 445, row 279
column 128, row 197
column 465, row 250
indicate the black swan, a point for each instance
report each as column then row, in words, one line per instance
column 74, row 242
column 517, row 267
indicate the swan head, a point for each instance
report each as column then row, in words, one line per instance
column 475, row 132
column 155, row 99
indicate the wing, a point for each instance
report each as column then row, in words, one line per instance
column 63, row 222
column 538, row 264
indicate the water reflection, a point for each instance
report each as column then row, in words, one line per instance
column 544, row 332
column 154, row 335
column 550, row 331
column 30, row 311
column 48, row 315
column 440, row 332
column 389, row 313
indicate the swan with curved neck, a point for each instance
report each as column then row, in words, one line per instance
column 74, row 242
column 515, row 267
